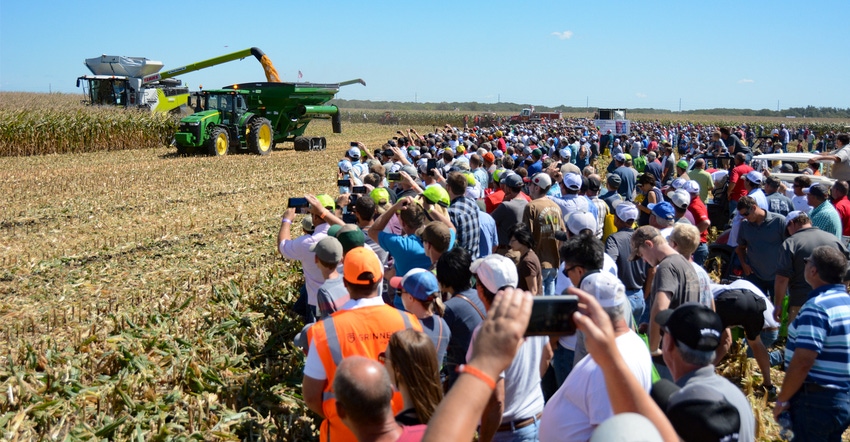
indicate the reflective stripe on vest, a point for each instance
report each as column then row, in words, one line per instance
column 333, row 340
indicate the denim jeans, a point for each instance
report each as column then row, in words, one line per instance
column 701, row 254
column 637, row 302
column 549, row 278
column 524, row 434
column 819, row 416
column 562, row 362
column 768, row 337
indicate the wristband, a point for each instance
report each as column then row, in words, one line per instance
column 324, row 214
column 782, row 404
column 286, row 221
column 468, row 369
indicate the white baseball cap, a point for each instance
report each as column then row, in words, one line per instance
column 605, row 287
column 626, row 211
column 680, row 198
column 495, row 271
column 578, row 221
column 691, row 186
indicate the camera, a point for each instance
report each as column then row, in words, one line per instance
column 552, row 316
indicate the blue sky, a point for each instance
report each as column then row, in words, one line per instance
column 745, row 54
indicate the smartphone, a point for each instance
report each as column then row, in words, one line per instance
column 354, row 144
column 431, row 164
column 552, row 316
column 298, row 202
column 343, row 183
column 394, row 176
column 358, row 190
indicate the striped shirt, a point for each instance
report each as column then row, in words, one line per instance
column 826, row 218
column 823, row 326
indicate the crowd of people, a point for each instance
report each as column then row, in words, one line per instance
column 420, row 276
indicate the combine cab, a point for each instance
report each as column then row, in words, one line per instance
column 255, row 116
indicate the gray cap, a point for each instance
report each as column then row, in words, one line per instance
column 614, row 179
column 512, row 180
column 328, row 249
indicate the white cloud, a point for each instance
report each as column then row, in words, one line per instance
column 640, row 95
column 745, row 80
column 566, row 35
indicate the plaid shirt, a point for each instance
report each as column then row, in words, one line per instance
column 463, row 213
column 826, row 218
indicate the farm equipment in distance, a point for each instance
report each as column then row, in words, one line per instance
column 135, row 82
column 388, row 119
column 255, row 116
column 529, row 116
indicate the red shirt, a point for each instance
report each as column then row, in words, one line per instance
column 738, row 190
column 700, row 212
column 412, row 433
column 843, row 208
column 493, row 200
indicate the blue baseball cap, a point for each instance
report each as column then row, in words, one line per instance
column 420, row 283
column 663, row 210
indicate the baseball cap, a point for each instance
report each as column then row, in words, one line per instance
column 565, row 153
column 626, row 211
column 694, row 324
column 307, row 224
column 536, row 153
column 437, row 195
column 498, row 173
column 682, row 164
column 345, row 166
column 663, row 210
column 420, row 283
column 495, row 271
column 380, row 196
column 626, row 427
column 691, row 186
column 678, row 183
column 362, row 266
column 792, row 216
column 489, row 157
column 594, row 183
column 570, row 168
column 542, row 180
column 614, row 180
column 572, row 181
column 620, row 157
column 754, row 177
column 334, row 229
column 817, row 190
column 328, row 249
column 578, row 221
column 605, row 287
column 410, row 170
column 354, row 152
column 326, row 201
column 350, row 236
column 703, row 414
column 437, row 234
column 680, row 198
column 512, row 180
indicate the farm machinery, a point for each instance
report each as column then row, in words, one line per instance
column 255, row 116
column 135, row 82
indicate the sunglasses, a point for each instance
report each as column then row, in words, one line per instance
column 745, row 214
column 567, row 270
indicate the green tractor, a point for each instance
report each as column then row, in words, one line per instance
column 253, row 117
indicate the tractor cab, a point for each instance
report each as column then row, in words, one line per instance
column 230, row 103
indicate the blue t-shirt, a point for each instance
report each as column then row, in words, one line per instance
column 407, row 251
column 489, row 238
column 627, row 182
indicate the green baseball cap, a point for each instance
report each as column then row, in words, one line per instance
column 380, row 196
column 682, row 164
column 326, row 201
column 497, row 174
column 437, row 195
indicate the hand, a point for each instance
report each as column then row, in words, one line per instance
column 407, row 178
column 289, row 214
column 315, row 206
column 747, row 269
column 777, row 409
column 343, row 200
column 596, row 324
column 501, row 333
column 397, row 152
column 438, row 176
column 777, row 311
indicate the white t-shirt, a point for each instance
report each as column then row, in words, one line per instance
column 523, row 396
column 582, row 403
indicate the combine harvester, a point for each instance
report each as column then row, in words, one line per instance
column 135, row 82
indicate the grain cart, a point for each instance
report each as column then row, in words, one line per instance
column 135, row 82
column 254, row 116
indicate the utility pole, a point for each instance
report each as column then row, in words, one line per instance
column 777, row 105
column 680, row 105
column 499, row 98
column 587, row 104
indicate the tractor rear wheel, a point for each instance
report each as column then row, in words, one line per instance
column 218, row 143
column 260, row 136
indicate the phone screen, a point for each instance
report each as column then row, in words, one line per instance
column 552, row 316
column 343, row 183
column 394, row 176
column 358, row 189
column 298, row 202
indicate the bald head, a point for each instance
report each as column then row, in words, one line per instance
column 363, row 391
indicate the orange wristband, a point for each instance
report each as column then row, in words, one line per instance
column 468, row 369
column 324, row 214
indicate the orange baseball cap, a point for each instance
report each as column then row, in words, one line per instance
column 362, row 266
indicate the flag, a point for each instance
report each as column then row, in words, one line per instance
column 300, row 75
